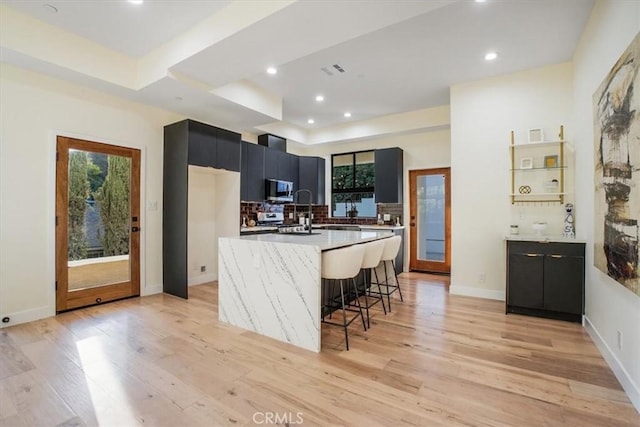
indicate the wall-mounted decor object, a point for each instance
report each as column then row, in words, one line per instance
column 524, row 189
column 551, row 161
column 617, row 180
column 526, row 163
column 536, row 135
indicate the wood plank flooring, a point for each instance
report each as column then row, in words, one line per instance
column 435, row 360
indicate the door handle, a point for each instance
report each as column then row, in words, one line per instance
column 533, row 255
column 557, row 256
column 135, row 229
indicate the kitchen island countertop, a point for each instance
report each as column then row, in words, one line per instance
column 323, row 239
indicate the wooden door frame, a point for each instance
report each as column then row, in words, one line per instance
column 444, row 267
column 109, row 292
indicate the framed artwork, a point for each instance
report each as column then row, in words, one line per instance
column 550, row 161
column 536, row 135
column 616, row 140
column 526, row 163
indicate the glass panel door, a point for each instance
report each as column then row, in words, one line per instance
column 97, row 208
column 430, row 219
column 430, row 216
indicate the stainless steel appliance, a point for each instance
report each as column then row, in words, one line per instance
column 270, row 218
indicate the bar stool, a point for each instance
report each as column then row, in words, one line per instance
column 340, row 265
column 391, row 248
column 372, row 256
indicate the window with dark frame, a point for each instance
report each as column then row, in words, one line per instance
column 353, row 180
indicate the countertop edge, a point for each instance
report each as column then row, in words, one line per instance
column 542, row 239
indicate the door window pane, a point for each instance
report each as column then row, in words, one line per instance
column 431, row 217
column 99, row 219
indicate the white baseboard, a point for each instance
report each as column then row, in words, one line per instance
column 477, row 292
column 28, row 316
column 151, row 290
column 618, row 369
column 198, row 280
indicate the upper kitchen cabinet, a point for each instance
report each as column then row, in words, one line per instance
column 280, row 165
column 227, row 150
column 273, row 142
column 252, row 172
column 389, row 168
column 311, row 177
column 207, row 145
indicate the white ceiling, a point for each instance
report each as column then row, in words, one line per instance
column 207, row 59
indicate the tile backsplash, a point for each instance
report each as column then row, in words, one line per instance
column 320, row 213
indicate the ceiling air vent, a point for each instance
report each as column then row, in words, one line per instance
column 327, row 71
column 330, row 70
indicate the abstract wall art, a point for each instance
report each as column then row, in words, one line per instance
column 616, row 106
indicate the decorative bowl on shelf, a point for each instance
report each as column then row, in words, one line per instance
column 539, row 227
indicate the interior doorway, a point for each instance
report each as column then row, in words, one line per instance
column 430, row 220
column 97, row 223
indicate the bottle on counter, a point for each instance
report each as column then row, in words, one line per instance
column 380, row 221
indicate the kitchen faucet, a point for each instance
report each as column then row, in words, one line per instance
column 295, row 201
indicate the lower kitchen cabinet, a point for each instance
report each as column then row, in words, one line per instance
column 546, row 279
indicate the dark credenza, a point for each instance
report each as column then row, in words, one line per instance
column 546, row 279
column 188, row 143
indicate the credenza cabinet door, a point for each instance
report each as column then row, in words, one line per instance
column 563, row 279
column 526, row 280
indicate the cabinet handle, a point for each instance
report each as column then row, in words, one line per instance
column 557, row 256
column 533, row 255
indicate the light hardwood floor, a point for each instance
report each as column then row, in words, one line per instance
column 435, row 360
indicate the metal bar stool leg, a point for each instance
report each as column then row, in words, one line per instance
column 386, row 281
column 355, row 289
column 397, row 281
column 344, row 315
column 384, row 308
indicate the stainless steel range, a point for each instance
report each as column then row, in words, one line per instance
column 270, row 218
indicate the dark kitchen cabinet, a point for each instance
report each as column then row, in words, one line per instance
column 272, row 141
column 272, row 162
column 209, row 146
column 546, row 279
column 389, row 167
column 201, row 143
column 294, row 169
column 227, row 150
column 280, row 165
column 188, row 143
column 311, row 177
column 252, row 172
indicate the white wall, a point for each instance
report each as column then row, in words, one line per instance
column 213, row 212
column 201, row 225
column 424, row 150
column 610, row 307
column 33, row 110
column 483, row 113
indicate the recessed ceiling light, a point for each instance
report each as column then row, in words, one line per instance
column 311, row 121
column 136, row 1
column 481, row 1
column 272, row 70
column 347, row 114
column 319, row 98
column 490, row 56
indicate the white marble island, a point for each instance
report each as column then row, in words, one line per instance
column 270, row 283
